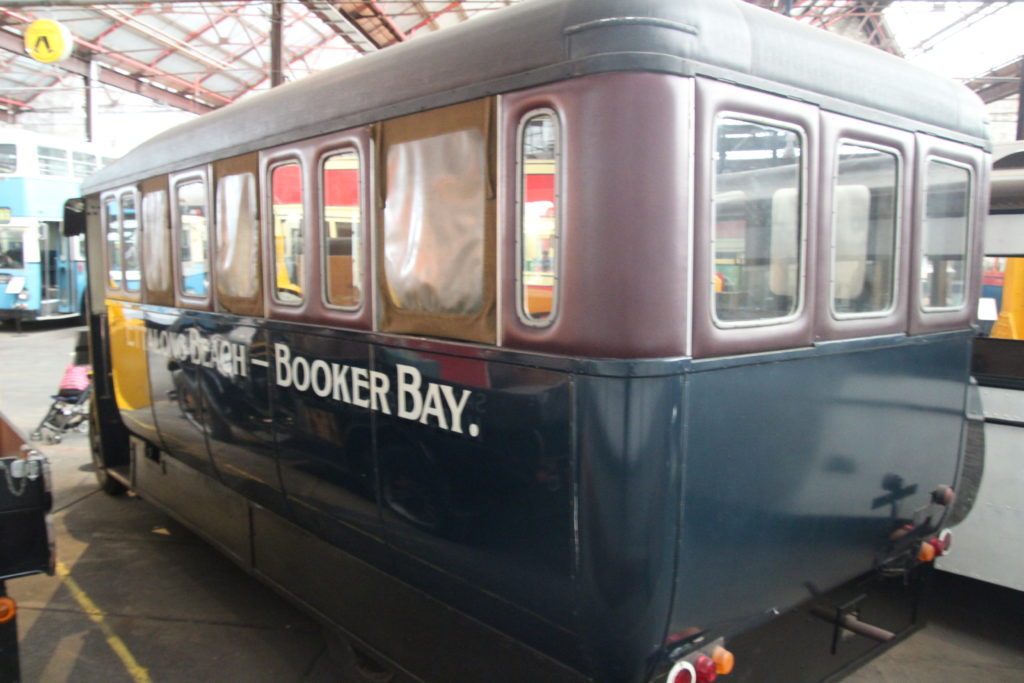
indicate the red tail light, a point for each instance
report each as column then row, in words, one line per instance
column 707, row 670
column 682, row 672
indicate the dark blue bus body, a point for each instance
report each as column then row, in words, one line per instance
column 622, row 344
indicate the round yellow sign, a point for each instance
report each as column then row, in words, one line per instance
column 48, row 41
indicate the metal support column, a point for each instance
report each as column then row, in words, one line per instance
column 1020, row 101
column 276, row 48
column 91, row 81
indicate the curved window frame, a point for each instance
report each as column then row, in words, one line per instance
column 969, row 227
column 802, row 198
column 556, row 263
column 191, row 299
column 364, row 234
column 898, row 245
column 272, row 231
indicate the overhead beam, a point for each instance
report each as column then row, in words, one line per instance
column 340, row 24
column 369, row 19
column 76, row 65
column 999, row 83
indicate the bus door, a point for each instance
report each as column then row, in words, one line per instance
column 58, row 286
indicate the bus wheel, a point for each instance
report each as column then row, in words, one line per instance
column 108, row 484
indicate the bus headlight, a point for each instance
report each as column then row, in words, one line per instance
column 23, row 295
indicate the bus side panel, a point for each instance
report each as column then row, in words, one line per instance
column 174, row 349
column 799, row 470
column 392, row 619
column 452, row 473
column 127, row 327
column 324, row 443
column 630, row 452
column 233, row 374
column 476, row 475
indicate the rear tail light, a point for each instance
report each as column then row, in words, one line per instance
column 701, row 667
column 682, row 672
column 706, row 669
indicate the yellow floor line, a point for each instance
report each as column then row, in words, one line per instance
column 138, row 673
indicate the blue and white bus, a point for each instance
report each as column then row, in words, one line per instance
column 42, row 272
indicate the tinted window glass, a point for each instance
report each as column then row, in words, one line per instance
column 287, row 215
column 193, row 239
column 757, row 221
column 944, row 254
column 342, row 229
column 538, row 217
column 864, row 231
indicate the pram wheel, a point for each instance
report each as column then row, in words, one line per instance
column 53, row 438
column 35, row 436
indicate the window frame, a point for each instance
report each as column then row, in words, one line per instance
column 106, row 199
column 321, row 186
column 802, row 224
column 134, row 195
column 976, row 160
column 520, row 205
column 969, row 230
column 175, row 181
column 709, row 340
column 118, row 196
column 898, row 238
column 271, row 237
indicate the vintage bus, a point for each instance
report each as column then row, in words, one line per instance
column 589, row 340
column 42, row 272
column 992, row 525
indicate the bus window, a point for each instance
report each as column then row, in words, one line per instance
column 238, row 264
column 757, row 222
column 538, row 217
column 112, row 219
column 8, row 158
column 11, row 248
column 155, row 252
column 129, row 243
column 52, row 161
column 286, row 212
column 864, row 231
column 83, row 164
column 434, row 223
column 342, row 230
column 944, row 236
column 193, row 239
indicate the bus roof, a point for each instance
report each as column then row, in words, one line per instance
column 543, row 41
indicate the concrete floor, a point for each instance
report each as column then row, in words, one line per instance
column 139, row 598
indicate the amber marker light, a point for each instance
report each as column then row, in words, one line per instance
column 927, row 552
column 8, row 609
column 724, row 660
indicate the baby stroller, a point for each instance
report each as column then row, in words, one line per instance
column 70, row 407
